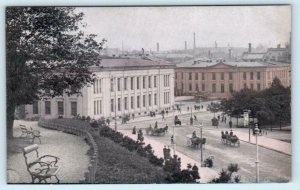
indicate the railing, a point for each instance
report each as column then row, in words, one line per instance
column 89, row 176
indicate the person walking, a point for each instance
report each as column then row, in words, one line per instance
column 230, row 124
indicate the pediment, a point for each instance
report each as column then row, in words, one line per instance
column 221, row 66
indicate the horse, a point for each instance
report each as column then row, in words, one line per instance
column 198, row 142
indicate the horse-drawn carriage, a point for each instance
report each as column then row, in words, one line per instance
column 157, row 131
column 231, row 140
column 195, row 142
column 177, row 122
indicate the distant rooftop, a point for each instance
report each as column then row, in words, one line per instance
column 209, row 63
column 251, row 56
column 134, row 62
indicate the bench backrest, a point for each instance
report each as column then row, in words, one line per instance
column 30, row 157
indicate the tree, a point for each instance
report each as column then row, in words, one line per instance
column 214, row 107
column 46, row 55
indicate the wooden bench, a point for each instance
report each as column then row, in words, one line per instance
column 31, row 133
column 40, row 167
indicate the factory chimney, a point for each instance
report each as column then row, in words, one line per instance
column 229, row 51
column 194, row 41
column 157, row 47
column 185, row 45
column 249, row 48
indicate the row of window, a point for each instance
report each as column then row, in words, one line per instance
column 60, row 108
column 132, row 102
column 222, row 87
column 166, row 97
column 97, row 86
column 132, row 85
column 222, row 75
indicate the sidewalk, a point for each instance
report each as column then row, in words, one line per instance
column 266, row 142
column 71, row 149
column 205, row 173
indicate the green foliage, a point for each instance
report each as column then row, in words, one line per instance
column 268, row 106
column 46, row 54
column 225, row 176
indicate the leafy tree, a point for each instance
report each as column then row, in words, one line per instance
column 46, row 55
column 214, row 107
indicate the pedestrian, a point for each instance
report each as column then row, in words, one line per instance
column 108, row 121
column 195, row 117
column 132, row 116
column 165, row 152
column 188, row 108
column 155, row 125
column 134, row 130
column 172, row 139
column 218, row 117
column 191, row 121
column 222, row 119
column 167, row 112
column 225, row 119
column 230, row 124
column 231, row 133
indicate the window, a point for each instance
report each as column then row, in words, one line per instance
column 119, row 84
column 190, row 76
column 222, row 88
column 213, row 87
column 213, row 76
column 251, row 86
column 203, row 76
column 230, row 76
column 95, row 107
column 112, row 105
column 155, row 99
column 111, row 84
column 35, row 107
column 60, row 108
column 155, row 79
column 100, row 106
column 244, row 75
column 258, row 75
column 119, row 104
column 95, row 86
column 251, row 75
column 203, row 87
column 222, row 76
column 144, row 82
column 150, row 102
column 137, row 82
column 100, row 85
column 144, row 100
column 125, row 103
column 47, row 107
column 74, row 108
column 196, row 76
column 258, row 86
column 230, row 87
column 125, row 83
column 190, row 87
column 132, row 102
column 131, row 83
column 138, row 101
column 149, row 81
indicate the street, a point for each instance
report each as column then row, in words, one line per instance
column 274, row 166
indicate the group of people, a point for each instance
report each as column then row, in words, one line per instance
column 223, row 119
column 140, row 134
column 226, row 133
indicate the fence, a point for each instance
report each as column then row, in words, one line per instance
column 89, row 176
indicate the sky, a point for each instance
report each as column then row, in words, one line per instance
column 143, row 27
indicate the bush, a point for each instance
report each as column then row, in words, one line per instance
column 209, row 162
column 225, row 176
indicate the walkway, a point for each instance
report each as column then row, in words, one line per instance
column 206, row 174
column 71, row 150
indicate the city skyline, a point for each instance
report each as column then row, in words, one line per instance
column 131, row 28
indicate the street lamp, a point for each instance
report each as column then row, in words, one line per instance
column 201, row 125
column 256, row 130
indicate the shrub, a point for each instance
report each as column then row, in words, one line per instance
column 225, row 176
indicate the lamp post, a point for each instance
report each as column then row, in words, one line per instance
column 256, row 130
column 115, row 84
column 201, row 125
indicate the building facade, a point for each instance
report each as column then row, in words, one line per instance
column 218, row 79
column 122, row 86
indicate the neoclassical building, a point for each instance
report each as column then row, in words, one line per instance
column 123, row 85
column 218, row 78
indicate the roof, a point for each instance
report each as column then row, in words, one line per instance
column 132, row 63
column 278, row 49
column 251, row 56
column 211, row 63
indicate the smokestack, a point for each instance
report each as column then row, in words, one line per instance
column 209, row 54
column 249, row 48
column 185, row 45
column 278, row 45
column 229, row 53
column 194, row 41
column 157, row 47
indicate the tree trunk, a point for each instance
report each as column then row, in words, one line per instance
column 10, row 117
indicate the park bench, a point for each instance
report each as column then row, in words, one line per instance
column 31, row 133
column 40, row 167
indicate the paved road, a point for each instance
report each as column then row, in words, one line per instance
column 274, row 166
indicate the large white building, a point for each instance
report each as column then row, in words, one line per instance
column 123, row 86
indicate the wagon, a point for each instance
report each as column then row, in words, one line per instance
column 195, row 142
